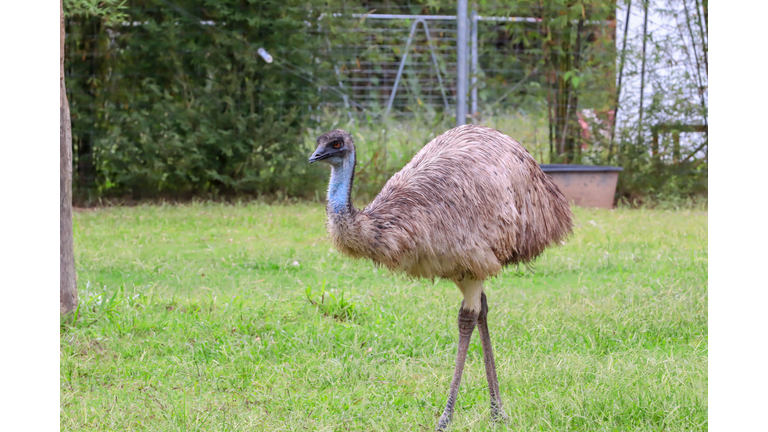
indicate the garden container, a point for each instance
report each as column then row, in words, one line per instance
column 585, row 185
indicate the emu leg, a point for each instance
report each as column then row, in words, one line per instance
column 497, row 412
column 467, row 323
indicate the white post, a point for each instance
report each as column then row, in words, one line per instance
column 462, row 83
column 473, row 69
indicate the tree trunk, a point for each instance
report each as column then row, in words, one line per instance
column 573, row 152
column 68, row 286
column 618, row 87
column 642, row 77
column 566, row 99
column 562, row 63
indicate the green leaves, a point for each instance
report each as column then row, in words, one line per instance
column 178, row 102
column 112, row 12
column 573, row 76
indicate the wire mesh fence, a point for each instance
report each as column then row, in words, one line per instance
column 385, row 55
column 370, row 49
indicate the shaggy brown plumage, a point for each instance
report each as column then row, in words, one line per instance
column 469, row 202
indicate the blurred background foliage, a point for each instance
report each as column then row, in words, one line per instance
column 170, row 99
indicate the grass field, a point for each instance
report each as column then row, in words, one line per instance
column 198, row 317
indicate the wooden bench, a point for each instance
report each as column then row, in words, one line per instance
column 676, row 129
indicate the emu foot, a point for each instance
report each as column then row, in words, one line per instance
column 443, row 423
column 498, row 415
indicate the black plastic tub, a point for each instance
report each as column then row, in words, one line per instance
column 585, row 185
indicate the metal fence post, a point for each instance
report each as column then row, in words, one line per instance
column 402, row 65
column 473, row 69
column 462, row 63
column 400, row 69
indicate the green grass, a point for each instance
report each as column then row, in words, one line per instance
column 217, row 317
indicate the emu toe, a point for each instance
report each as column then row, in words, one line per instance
column 443, row 423
column 498, row 415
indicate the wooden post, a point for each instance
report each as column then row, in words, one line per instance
column 675, row 146
column 675, row 129
column 68, row 286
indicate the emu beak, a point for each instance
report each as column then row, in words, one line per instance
column 316, row 156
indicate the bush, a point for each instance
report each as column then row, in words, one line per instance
column 177, row 101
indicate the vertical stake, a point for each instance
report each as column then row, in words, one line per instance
column 462, row 83
column 473, row 70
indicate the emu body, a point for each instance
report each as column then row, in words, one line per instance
column 470, row 202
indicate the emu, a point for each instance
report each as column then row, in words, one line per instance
column 470, row 202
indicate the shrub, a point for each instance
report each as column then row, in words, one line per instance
column 177, row 101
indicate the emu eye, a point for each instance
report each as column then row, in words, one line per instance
column 337, row 145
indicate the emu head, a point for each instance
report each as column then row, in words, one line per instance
column 333, row 147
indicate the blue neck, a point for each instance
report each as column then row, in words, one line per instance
column 339, row 189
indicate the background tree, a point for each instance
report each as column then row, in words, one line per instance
column 68, row 283
column 108, row 11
